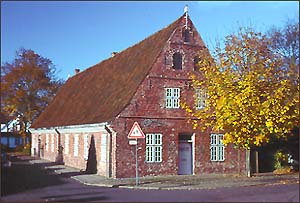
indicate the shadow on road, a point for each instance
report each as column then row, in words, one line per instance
column 81, row 197
column 23, row 176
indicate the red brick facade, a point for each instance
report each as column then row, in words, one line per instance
column 148, row 108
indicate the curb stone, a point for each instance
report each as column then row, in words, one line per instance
column 140, row 187
column 93, row 184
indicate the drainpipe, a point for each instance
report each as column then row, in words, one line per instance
column 59, row 158
column 110, row 133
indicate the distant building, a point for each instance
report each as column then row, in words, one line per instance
column 144, row 83
column 10, row 136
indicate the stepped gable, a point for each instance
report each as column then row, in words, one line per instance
column 102, row 91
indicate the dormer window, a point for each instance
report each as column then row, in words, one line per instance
column 196, row 61
column 186, row 35
column 177, row 61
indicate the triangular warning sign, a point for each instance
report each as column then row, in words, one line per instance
column 136, row 132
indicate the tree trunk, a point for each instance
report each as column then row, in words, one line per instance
column 248, row 163
column 239, row 160
column 256, row 162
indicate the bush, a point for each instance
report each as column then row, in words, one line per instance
column 4, row 148
column 284, row 170
column 281, row 159
column 23, row 150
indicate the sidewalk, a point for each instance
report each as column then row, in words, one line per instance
column 187, row 182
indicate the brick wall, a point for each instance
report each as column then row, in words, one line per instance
column 78, row 160
column 147, row 107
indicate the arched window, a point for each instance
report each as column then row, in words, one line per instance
column 177, row 61
column 196, row 61
column 186, row 35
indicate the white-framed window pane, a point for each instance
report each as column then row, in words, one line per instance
column 66, row 144
column 153, row 148
column 213, row 154
column 76, row 140
column 168, row 103
column 200, row 98
column 47, row 142
column 213, row 139
column 169, row 92
column 220, row 139
column 56, row 147
column 172, row 97
column 176, row 97
column 103, row 148
column 52, row 142
column 157, row 140
column 86, row 146
column 217, row 149
column 147, row 140
column 168, row 97
column 176, row 103
column 147, row 154
column 221, row 153
column 158, row 151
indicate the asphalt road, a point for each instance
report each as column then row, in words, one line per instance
column 31, row 183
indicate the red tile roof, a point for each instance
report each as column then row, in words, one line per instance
column 102, row 91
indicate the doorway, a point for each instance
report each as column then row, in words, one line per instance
column 185, row 154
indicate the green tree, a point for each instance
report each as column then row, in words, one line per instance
column 28, row 84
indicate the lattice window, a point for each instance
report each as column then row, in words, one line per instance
column 153, row 148
column 217, row 149
column 172, row 97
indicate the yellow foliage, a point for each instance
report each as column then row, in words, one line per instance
column 248, row 98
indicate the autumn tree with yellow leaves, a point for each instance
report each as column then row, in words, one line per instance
column 28, row 84
column 250, row 95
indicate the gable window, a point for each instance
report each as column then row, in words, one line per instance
column 217, row 149
column 200, row 97
column 153, row 148
column 196, row 61
column 177, row 61
column 172, row 97
column 186, row 35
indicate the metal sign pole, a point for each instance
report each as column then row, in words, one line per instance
column 136, row 165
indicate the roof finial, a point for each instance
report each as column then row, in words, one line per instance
column 186, row 8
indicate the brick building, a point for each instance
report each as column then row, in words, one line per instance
column 143, row 84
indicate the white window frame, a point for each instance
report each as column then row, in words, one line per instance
column 153, row 148
column 47, row 142
column 32, row 144
column 52, row 142
column 172, row 98
column 57, row 141
column 200, row 98
column 67, row 143
column 103, row 147
column 217, row 148
column 76, row 144
column 86, row 146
